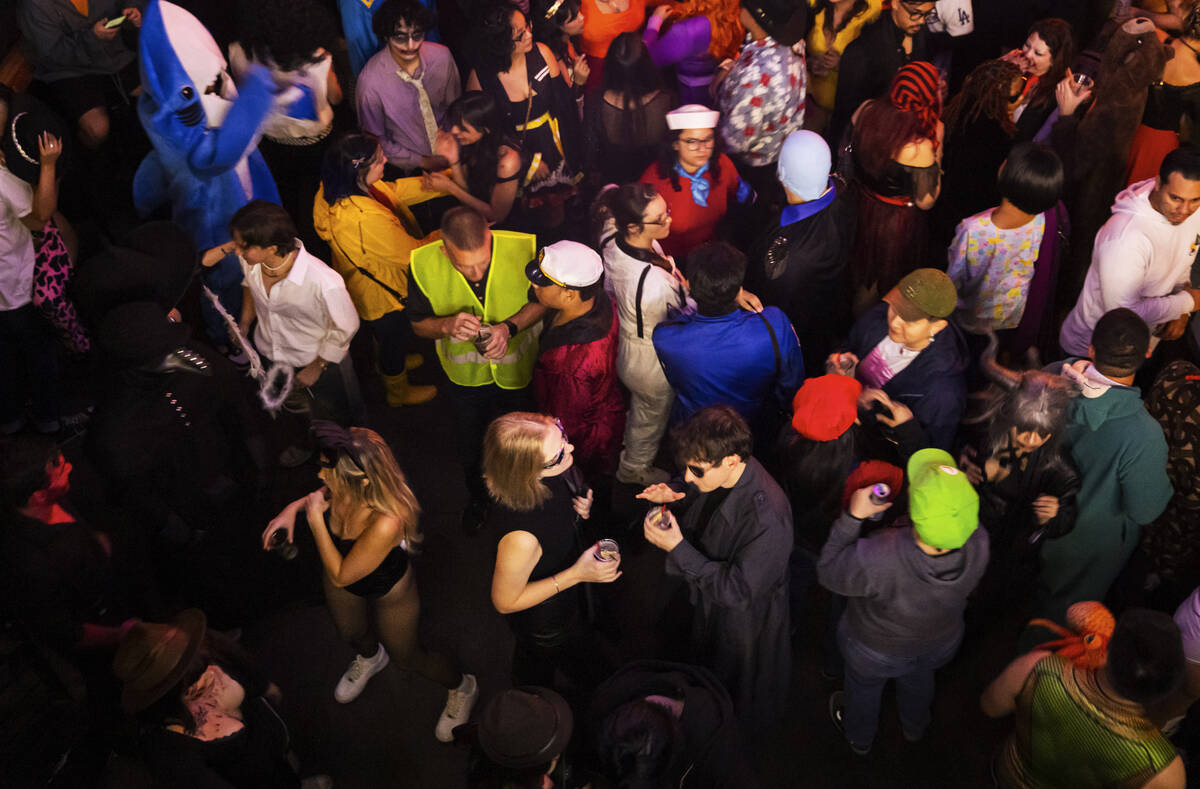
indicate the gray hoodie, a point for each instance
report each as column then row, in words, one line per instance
column 902, row 601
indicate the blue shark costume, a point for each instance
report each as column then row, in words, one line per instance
column 205, row 133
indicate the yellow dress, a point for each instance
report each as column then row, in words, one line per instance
column 823, row 89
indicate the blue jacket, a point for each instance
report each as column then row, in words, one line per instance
column 933, row 385
column 729, row 359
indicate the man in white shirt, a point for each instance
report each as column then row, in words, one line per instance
column 1143, row 256
column 304, row 315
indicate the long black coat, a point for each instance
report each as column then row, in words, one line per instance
column 736, row 570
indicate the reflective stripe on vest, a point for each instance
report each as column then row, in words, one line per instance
column 507, row 292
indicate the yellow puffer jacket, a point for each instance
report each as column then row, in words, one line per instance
column 365, row 235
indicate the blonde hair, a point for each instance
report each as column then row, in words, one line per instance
column 513, row 460
column 388, row 492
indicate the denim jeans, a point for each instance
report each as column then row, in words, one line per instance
column 867, row 671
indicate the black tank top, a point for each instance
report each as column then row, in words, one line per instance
column 553, row 524
column 379, row 581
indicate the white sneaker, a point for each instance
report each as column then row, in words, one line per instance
column 458, row 708
column 361, row 670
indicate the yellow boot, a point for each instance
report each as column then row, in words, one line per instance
column 412, row 361
column 400, row 392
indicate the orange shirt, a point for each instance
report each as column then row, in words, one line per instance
column 599, row 28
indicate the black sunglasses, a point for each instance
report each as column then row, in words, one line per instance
column 697, row 471
column 562, row 452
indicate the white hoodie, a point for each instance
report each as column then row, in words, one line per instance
column 1140, row 261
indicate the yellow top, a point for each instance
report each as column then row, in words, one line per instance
column 363, row 233
column 823, row 89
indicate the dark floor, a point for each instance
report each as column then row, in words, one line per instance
column 385, row 738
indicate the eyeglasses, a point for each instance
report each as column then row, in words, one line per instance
column 520, row 34
column 698, row 472
column 416, row 36
column 694, row 144
column 562, row 452
column 917, row 16
column 666, row 218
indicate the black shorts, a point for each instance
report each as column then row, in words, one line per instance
column 74, row 96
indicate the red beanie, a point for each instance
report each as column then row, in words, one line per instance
column 867, row 474
column 825, row 407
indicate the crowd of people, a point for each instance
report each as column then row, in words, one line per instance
column 869, row 315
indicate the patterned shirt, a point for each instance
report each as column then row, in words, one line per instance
column 992, row 269
column 762, row 100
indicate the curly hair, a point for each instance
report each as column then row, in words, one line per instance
column 287, row 33
column 393, row 12
column 725, row 19
column 986, row 92
column 1057, row 35
column 492, row 37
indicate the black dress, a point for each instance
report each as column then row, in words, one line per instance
column 552, row 634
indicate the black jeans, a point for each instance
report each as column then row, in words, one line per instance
column 394, row 336
column 29, row 360
column 474, row 409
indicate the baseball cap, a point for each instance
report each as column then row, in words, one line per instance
column 926, row 293
column 826, row 406
column 941, row 502
column 568, row 264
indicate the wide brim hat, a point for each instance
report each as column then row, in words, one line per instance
column 786, row 21
column 152, row 658
column 525, row 727
column 156, row 262
column 28, row 119
column 138, row 333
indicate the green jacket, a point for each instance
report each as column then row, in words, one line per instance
column 1121, row 455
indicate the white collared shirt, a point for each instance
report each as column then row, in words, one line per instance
column 306, row 314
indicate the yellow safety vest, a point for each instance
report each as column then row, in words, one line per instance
column 507, row 292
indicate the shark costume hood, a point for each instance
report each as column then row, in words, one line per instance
column 205, row 132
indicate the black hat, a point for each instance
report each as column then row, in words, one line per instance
column 155, row 262
column 28, row 118
column 152, row 658
column 139, row 333
column 786, row 21
column 525, row 727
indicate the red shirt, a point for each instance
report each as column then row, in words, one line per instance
column 691, row 224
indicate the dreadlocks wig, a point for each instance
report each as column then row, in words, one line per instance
column 987, row 91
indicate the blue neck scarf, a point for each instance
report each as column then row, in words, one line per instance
column 700, row 184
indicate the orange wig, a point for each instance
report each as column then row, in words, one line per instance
column 725, row 19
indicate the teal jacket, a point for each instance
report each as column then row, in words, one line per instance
column 1121, row 454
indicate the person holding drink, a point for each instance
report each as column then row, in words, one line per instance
column 364, row 523
column 730, row 546
column 537, row 498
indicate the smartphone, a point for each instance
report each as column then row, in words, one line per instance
column 110, row 24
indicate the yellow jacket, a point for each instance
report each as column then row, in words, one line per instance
column 822, row 89
column 364, row 234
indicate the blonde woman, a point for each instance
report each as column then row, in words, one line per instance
column 526, row 460
column 364, row 523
